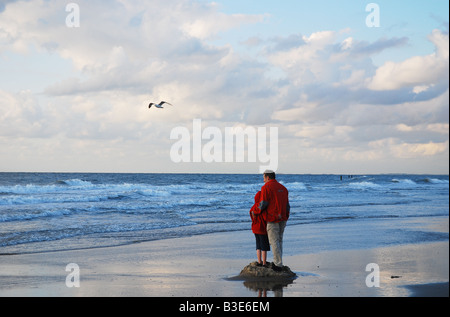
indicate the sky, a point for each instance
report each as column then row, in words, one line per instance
column 350, row 88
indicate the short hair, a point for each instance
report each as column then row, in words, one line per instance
column 270, row 175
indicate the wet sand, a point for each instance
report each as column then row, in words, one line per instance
column 201, row 266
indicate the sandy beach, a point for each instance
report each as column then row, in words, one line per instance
column 201, row 266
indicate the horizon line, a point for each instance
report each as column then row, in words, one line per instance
column 223, row 173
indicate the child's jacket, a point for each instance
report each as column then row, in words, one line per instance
column 258, row 222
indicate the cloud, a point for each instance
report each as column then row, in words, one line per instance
column 331, row 105
column 20, row 114
column 329, row 79
column 157, row 50
column 399, row 149
column 417, row 71
column 142, row 31
column 3, row 4
column 210, row 21
column 322, row 89
column 364, row 48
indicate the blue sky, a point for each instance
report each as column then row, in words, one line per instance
column 413, row 19
column 346, row 98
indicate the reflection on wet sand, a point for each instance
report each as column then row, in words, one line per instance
column 262, row 287
column 261, row 279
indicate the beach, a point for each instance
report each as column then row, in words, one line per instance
column 180, row 235
column 203, row 266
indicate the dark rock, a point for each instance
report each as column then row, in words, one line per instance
column 253, row 271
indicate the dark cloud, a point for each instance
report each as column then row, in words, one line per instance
column 378, row 46
column 3, row 4
column 280, row 43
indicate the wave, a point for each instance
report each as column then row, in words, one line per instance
column 365, row 185
column 295, row 186
column 76, row 183
column 435, row 181
column 30, row 215
column 66, row 185
column 47, row 235
column 107, row 209
column 404, row 181
column 29, row 189
column 35, row 193
column 71, row 191
column 58, row 186
column 424, row 180
column 13, row 200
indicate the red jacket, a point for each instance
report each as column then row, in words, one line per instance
column 274, row 201
column 258, row 222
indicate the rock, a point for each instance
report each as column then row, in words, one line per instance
column 262, row 279
column 252, row 271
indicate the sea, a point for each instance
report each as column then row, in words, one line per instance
column 44, row 212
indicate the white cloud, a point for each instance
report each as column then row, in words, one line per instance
column 153, row 48
column 417, row 71
column 328, row 97
column 208, row 25
column 21, row 114
column 403, row 150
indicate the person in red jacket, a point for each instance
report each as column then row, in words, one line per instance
column 259, row 229
column 274, row 203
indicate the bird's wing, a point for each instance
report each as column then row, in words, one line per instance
column 150, row 105
column 163, row 102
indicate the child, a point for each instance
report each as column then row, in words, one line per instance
column 259, row 229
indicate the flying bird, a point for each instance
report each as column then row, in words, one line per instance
column 160, row 105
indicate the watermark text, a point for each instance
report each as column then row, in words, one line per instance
column 373, row 19
column 373, row 278
column 225, row 146
column 73, row 278
column 73, row 18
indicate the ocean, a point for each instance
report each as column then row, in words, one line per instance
column 42, row 212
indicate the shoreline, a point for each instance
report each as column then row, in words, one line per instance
column 201, row 266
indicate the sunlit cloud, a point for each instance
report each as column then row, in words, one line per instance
column 322, row 89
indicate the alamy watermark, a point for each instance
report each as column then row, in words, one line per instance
column 373, row 19
column 225, row 146
column 73, row 18
column 73, row 278
column 373, row 278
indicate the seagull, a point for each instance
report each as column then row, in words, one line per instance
column 158, row 105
